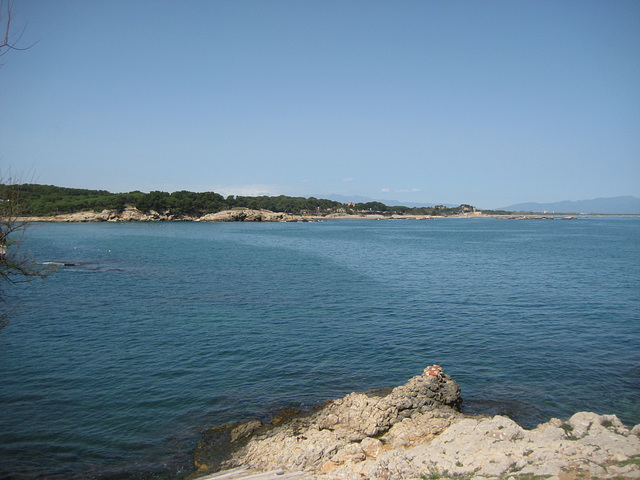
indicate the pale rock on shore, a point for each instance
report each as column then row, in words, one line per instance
column 127, row 215
column 247, row 215
column 131, row 214
column 415, row 431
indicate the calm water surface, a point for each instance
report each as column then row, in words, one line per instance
column 111, row 368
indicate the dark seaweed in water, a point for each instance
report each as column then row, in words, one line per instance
column 525, row 414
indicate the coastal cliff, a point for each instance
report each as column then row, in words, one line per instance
column 131, row 214
column 417, row 431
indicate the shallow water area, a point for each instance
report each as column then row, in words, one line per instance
column 112, row 366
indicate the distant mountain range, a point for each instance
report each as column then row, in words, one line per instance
column 623, row 205
column 628, row 204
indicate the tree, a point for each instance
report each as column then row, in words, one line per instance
column 10, row 39
column 15, row 264
column 155, row 200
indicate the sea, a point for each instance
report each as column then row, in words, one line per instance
column 114, row 365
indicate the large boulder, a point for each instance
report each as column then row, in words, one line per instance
column 372, row 414
column 348, row 429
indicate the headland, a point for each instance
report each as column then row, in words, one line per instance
column 131, row 214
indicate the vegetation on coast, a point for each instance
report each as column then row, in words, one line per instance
column 47, row 200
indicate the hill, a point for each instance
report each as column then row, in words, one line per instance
column 611, row 205
column 49, row 200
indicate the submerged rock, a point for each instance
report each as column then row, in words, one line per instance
column 219, row 443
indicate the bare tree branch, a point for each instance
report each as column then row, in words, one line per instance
column 10, row 39
column 16, row 265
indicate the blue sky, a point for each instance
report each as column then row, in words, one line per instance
column 483, row 102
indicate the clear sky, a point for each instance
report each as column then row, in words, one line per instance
column 483, row 102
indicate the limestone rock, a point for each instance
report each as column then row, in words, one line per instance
column 498, row 448
column 248, row 215
column 415, row 431
column 339, row 432
column 131, row 214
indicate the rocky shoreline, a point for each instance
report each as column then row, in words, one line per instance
column 131, row 214
column 416, row 431
column 235, row 215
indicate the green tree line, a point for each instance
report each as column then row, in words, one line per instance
column 45, row 200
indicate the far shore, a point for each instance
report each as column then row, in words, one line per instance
column 248, row 215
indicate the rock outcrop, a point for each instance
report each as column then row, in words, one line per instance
column 311, row 440
column 585, row 446
column 248, row 215
column 416, row 431
column 131, row 214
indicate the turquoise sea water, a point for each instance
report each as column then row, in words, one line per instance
column 112, row 367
